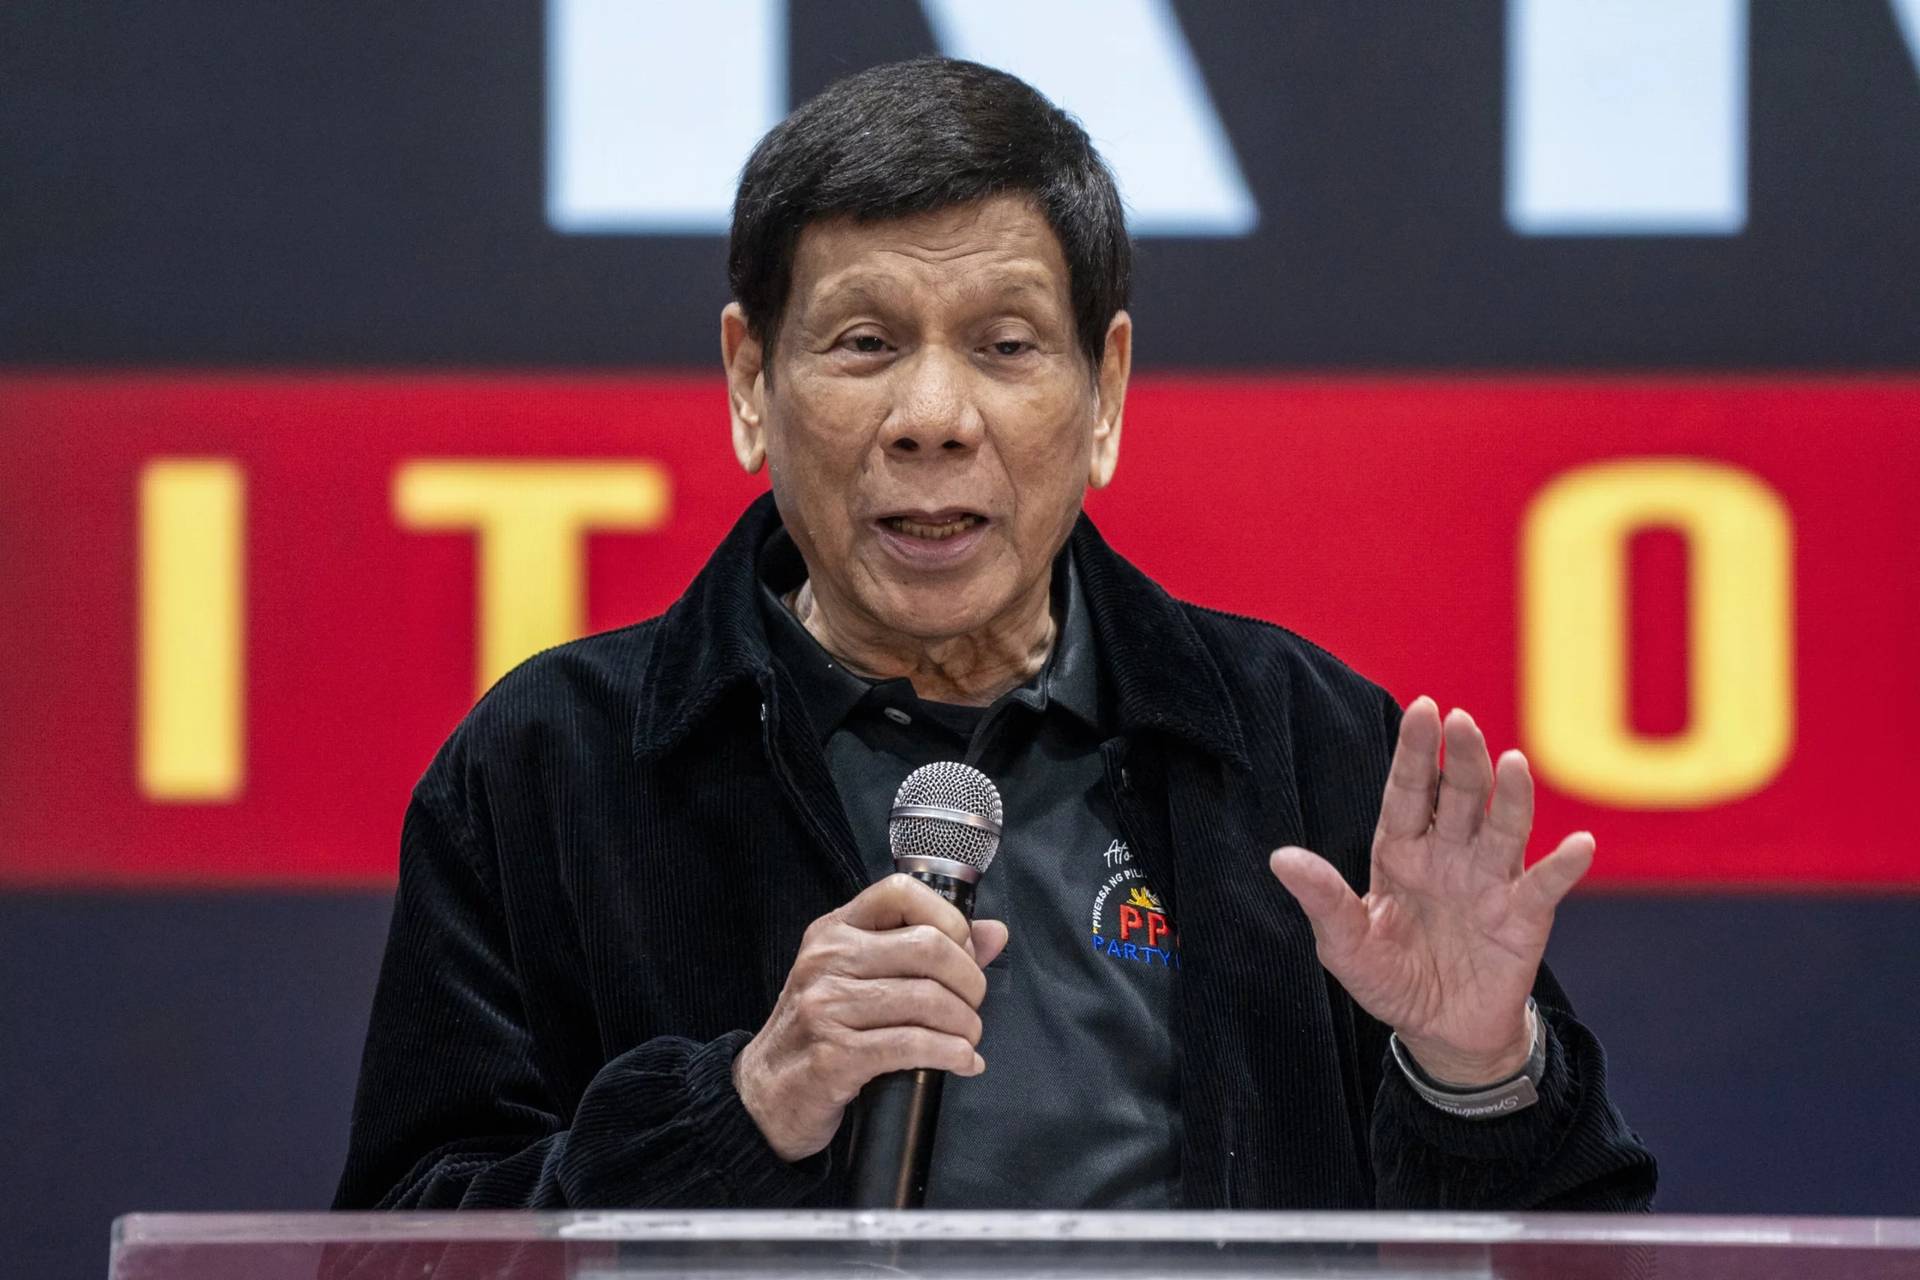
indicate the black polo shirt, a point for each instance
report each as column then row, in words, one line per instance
column 1078, row 1104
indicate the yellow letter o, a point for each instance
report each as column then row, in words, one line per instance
column 1573, row 633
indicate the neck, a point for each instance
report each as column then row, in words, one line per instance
column 971, row 670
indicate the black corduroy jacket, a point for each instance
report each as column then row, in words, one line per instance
column 606, row 871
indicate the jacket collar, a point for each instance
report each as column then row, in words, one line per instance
column 714, row 638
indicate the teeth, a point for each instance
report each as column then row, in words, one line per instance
column 934, row 532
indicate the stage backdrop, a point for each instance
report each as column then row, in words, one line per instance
column 1561, row 361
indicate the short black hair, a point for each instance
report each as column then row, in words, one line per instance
column 917, row 136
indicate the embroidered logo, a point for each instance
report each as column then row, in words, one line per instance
column 1130, row 923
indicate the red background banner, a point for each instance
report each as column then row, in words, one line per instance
column 1380, row 517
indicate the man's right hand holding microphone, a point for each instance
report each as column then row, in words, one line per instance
column 892, row 981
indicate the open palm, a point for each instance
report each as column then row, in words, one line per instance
column 1445, row 945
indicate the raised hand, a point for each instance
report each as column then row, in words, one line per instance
column 1446, row 943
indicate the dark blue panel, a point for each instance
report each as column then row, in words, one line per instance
column 198, row 1053
column 173, row 1053
column 1764, row 1047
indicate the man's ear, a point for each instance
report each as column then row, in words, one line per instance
column 1115, row 365
column 741, row 353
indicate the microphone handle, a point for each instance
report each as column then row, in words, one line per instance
column 891, row 1140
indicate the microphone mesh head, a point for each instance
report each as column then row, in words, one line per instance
column 948, row 785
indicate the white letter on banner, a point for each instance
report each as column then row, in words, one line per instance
column 1908, row 12
column 1125, row 69
column 652, row 109
column 1627, row 117
column 640, row 142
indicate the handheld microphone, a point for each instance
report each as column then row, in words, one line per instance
column 944, row 831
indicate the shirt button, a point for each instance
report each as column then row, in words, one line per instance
column 763, row 713
column 896, row 715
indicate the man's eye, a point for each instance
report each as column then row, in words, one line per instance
column 868, row 344
column 1009, row 346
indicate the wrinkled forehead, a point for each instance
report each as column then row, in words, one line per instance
column 1001, row 247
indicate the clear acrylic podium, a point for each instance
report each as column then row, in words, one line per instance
column 1005, row 1246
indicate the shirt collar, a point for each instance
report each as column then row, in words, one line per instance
column 1070, row 678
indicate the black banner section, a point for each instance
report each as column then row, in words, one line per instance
column 322, row 185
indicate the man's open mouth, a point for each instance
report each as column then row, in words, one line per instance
column 933, row 528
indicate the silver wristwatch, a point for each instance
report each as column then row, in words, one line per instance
column 1482, row 1102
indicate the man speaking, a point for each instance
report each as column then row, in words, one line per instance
column 1243, row 945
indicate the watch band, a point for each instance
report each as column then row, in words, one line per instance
column 1483, row 1102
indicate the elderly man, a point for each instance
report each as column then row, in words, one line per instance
column 1243, row 946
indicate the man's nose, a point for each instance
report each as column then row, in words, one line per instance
column 933, row 409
